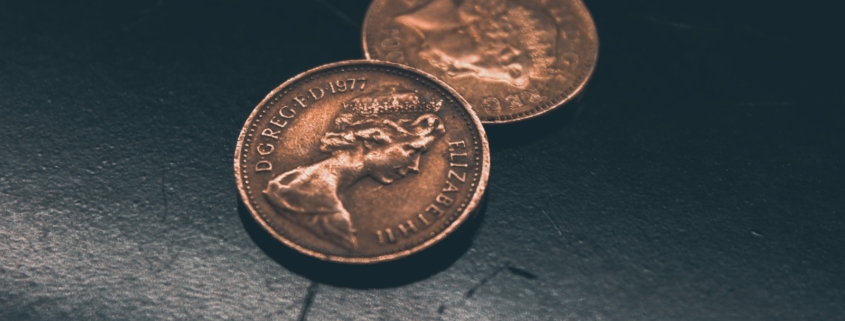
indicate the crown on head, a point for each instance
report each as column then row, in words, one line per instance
column 391, row 100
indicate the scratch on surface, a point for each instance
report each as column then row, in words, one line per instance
column 164, row 192
column 746, row 29
column 678, row 25
column 162, row 185
column 755, row 104
column 339, row 13
column 755, row 31
column 164, row 197
column 522, row 273
column 309, row 298
column 557, row 228
column 484, row 280
column 513, row 270
column 143, row 17
column 756, row 234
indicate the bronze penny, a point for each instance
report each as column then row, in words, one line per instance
column 511, row 59
column 362, row 161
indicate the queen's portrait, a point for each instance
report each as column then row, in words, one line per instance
column 381, row 135
column 498, row 40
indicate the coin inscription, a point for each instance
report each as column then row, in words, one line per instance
column 511, row 59
column 361, row 162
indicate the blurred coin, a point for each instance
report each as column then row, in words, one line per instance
column 510, row 59
column 361, row 162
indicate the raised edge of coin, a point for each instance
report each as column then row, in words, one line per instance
column 252, row 129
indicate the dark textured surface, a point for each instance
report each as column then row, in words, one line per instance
column 701, row 181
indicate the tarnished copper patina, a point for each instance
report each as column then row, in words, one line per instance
column 362, row 162
column 511, row 59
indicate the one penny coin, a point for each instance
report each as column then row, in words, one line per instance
column 362, row 162
column 511, row 59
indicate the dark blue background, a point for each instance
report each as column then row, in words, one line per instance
column 699, row 179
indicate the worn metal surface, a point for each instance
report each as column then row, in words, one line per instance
column 701, row 180
column 362, row 162
column 512, row 60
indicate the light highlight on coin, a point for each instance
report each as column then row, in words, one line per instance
column 511, row 59
column 361, row 162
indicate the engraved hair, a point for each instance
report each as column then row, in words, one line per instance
column 497, row 22
column 351, row 130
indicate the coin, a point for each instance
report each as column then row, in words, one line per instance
column 511, row 59
column 362, row 162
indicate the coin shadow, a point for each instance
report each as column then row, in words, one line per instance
column 520, row 133
column 413, row 268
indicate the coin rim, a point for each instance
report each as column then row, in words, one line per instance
column 470, row 208
column 574, row 94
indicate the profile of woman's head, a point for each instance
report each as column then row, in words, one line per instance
column 499, row 40
column 387, row 130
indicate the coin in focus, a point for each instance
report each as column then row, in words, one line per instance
column 510, row 59
column 362, row 162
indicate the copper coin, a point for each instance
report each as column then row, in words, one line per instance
column 362, row 161
column 511, row 59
